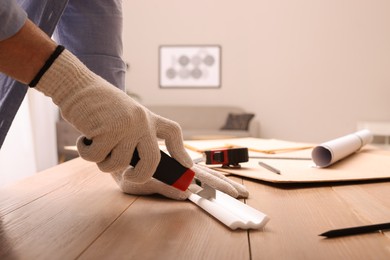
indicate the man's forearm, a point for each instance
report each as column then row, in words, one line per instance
column 24, row 54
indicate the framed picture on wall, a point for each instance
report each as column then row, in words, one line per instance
column 190, row 66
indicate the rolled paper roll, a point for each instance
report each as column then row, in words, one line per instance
column 332, row 151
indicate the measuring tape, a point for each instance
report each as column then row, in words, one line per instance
column 229, row 157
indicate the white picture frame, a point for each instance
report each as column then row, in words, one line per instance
column 190, row 66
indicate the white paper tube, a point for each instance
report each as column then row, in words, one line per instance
column 332, row 151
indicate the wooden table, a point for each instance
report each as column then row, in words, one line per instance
column 73, row 211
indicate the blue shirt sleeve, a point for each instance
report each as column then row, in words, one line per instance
column 13, row 15
column 92, row 30
column 12, row 18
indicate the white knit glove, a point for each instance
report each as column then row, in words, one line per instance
column 206, row 175
column 114, row 122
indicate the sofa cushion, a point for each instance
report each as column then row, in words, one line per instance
column 196, row 117
column 238, row 121
column 200, row 122
column 202, row 134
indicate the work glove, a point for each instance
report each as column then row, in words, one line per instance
column 113, row 122
column 204, row 174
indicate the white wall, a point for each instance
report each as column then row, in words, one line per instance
column 30, row 145
column 44, row 115
column 308, row 69
column 17, row 159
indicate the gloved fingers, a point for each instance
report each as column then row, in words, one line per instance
column 180, row 154
column 215, row 182
column 152, row 186
column 131, row 187
column 95, row 150
column 108, row 158
column 169, row 191
column 206, row 173
column 119, row 158
column 149, row 154
column 171, row 132
column 118, row 176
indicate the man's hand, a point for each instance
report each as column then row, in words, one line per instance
column 116, row 126
column 208, row 176
column 115, row 123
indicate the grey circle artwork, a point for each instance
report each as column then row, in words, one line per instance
column 184, row 60
column 196, row 73
column 190, row 66
column 209, row 60
column 171, row 73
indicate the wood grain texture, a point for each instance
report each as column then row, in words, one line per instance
column 62, row 217
column 298, row 215
column 73, row 211
column 159, row 228
column 24, row 191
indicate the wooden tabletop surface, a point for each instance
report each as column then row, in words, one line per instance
column 73, row 211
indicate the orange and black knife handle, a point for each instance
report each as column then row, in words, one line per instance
column 169, row 170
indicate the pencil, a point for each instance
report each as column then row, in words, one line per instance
column 356, row 230
column 269, row 167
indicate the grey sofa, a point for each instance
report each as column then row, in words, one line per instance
column 197, row 122
column 206, row 122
